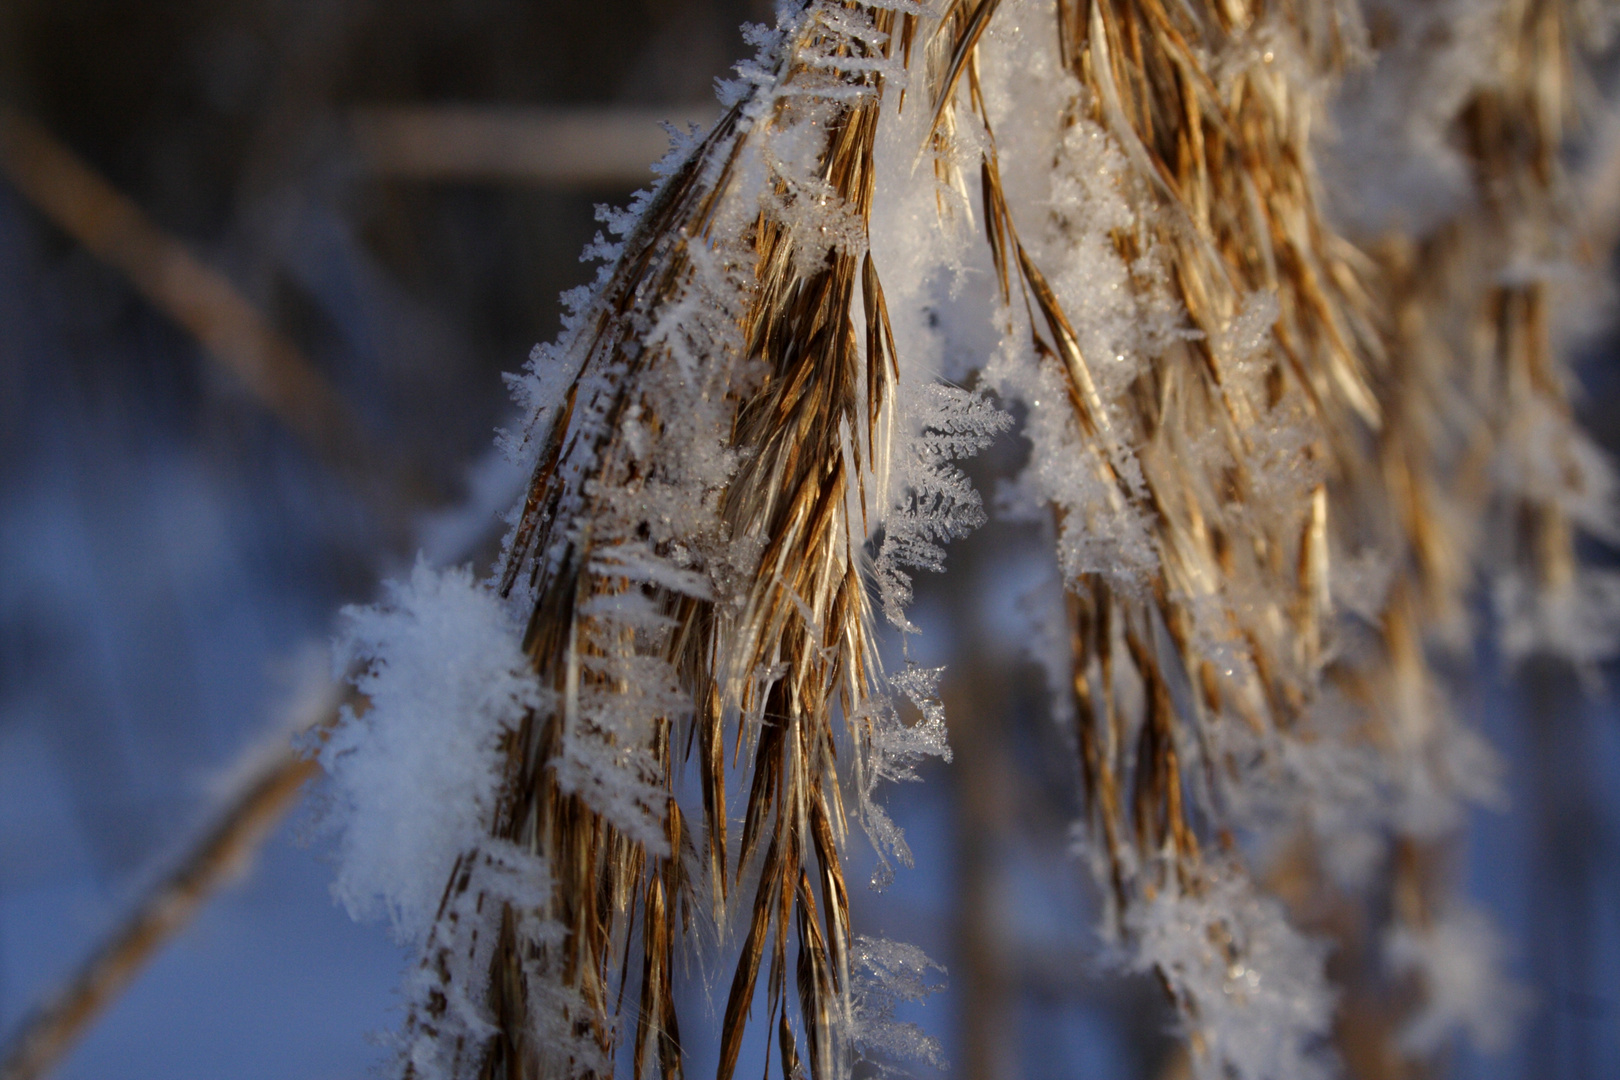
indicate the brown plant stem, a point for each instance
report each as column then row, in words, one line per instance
column 176, row 282
column 222, row 854
column 561, row 146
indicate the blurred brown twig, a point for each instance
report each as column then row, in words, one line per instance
column 178, row 283
column 269, row 785
column 565, row 146
column 562, row 146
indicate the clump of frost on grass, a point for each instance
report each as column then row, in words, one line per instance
column 1069, row 190
column 1578, row 620
column 1395, row 161
column 935, row 500
column 415, row 776
column 1458, row 959
column 886, row 974
column 891, row 752
column 1322, row 776
column 445, row 992
column 1545, row 460
column 1254, row 999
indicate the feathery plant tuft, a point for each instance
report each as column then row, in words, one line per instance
column 1269, row 436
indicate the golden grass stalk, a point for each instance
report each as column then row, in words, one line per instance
column 1227, row 170
column 1487, row 475
column 1222, row 623
column 1204, row 652
column 690, row 552
column 175, row 281
column 267, row 785
column 1478, row 323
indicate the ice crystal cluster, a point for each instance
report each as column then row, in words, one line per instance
column 1290, row 400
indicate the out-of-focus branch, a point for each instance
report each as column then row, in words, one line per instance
column 193, row 294
column 267, row 786
column 569, row 147
column 982, row 956
column 1599, row 187
column 268, row 781
column 573, row 147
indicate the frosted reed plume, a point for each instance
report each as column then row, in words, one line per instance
column 1198, row 369
column 714, row 441
column 1487, row 479
column 1246, row 437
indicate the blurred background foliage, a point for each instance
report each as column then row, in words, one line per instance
column 174, row 544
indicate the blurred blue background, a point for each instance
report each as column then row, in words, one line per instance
column 172, row 553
